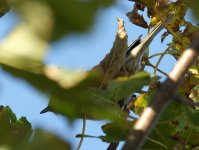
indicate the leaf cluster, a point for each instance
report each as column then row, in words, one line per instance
column 97, row 92
column 16, row 134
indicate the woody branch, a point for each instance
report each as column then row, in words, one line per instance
column 162, row 98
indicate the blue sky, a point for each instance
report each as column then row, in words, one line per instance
column 73, row 51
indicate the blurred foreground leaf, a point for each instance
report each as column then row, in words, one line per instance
column 23, row 49
column 67, row 16
column 4, row 7
column 74, row 98
column 47, row 141
column 71, row 93
column 194, row 6
column 67, row 94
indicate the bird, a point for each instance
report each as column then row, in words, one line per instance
column 135, row 52
column 133, row 63
column 134, row 55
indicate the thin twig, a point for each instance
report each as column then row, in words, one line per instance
column 157, row 54
column 186, row 101
column 157, row 142
column 162, row 72
column 83, row 132
column 161, row 99
column 159, row 60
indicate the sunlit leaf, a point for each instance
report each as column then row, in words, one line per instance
column 194, row 94
column 21, row 46
column 185, row 36
column 39, row 21
column 65, row 78
column 141, row 103
column 194, row 75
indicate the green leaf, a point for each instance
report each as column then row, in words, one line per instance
column 141, row 103
column 22, row 45
column 13, row 131
column 44, row 140
column 193, row 116
column 40, row 21
column 116, row 131
column 194, row 95
column 74, row 16
column 161, row 137
column 178, row 126
column 71, row 99
column 67, row 98
column 15, row 134
column 23, row 127
column 7, row 112
column 122, row 87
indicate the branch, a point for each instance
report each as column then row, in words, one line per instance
column 83, row 132
column 186, row 101
column 151, row 65
column 161, row 99
column 157, row 54
column 159, row 60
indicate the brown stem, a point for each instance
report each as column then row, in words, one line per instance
column 186, row 101
column 157, row 54
column 151, row 65
column 161, row 99
column 159, row 60
column 83, row 132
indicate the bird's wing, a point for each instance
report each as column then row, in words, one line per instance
column 135, row 54
column 139, row 51
column 134, row 44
